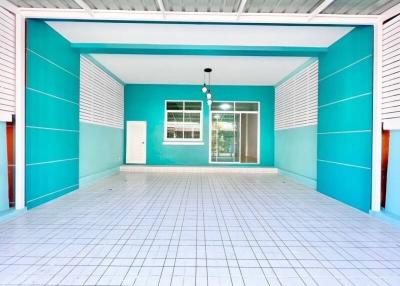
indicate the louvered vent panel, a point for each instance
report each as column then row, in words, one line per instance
column 296, row 100
column 7, row 65
column 391, row 70
column 101, row 96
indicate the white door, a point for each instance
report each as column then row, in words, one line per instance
column 136, row 142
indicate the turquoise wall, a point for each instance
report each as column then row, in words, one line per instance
column 393, row 176
column 146, row 103
column 52, row 115
column 3, row 168
column 345, row 119
column 100, row 149
column 296, row 152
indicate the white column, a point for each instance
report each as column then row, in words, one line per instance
column 20, row 114
column 377, row 120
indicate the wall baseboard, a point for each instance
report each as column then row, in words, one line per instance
column 197, row 169
column 84, row 181
column 298, row 178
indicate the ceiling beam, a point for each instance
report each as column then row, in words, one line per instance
column 9, row 6
column 320, row 8
column 162, row 7
column 241, row 8
column 394, row 11
column 201, row 17
column 85, row 7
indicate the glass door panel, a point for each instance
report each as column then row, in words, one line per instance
column 225, row 137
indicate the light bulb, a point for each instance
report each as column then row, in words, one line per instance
column 208, row 95
column 204, row 88
column 209, row 102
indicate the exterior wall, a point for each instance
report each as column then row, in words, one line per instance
column 147, row 102
column 345, row 119
column 52, row 115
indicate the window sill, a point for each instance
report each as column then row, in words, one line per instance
column 183, row 143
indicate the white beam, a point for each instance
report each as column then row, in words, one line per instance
column 320, row 8
column 162, row 7
column 9, row 6
column 377, row 120
column 84, row 6
column 241, row 8
column 217, row 17
column 394, row 11
column 20, row 113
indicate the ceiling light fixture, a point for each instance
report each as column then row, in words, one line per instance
column 207, row 85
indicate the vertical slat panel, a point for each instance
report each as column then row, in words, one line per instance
column 7, row 65
column 391, row 70
column 296, row 100
column 101, row 96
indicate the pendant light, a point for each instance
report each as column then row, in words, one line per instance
column 206, row 88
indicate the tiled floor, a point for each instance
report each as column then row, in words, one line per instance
column 198, row 229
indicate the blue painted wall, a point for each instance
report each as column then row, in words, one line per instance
column 100, row 149
column 345, row 119
column 296, row 153
column 3, row 168
column 393, row 176
column 147, row 102
column 52, row 115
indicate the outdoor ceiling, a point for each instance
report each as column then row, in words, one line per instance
column 350, row 7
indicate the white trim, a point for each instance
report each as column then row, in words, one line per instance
column 51, row 162
column 53, row 96
column 344, row 68
column 272, row 18
column 345, row 99
column 20, row 114
column 241, row 8
column 57, row 191
column 344, row 132
column 344, row 164
column 377, row 120
column 5, row 116
column 52, row 129
column 391, row 124
column 183, row 143
column 198, row 169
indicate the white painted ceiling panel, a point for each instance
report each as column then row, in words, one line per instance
column 228, row 70
column 281, row 6
column 130, row 5
column 54, row 4
column 204, row 34
column 360, row 7
column 202, row 5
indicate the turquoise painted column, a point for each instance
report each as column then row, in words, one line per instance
column 3, row 167
column 393, row 176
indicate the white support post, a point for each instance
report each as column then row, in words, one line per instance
column 20, row 113
column 377, row 120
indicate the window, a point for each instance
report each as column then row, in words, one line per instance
column 183, row 121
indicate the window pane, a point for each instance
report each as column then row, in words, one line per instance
column 189, row 105
column 192, row 133
column 192, row 117
column 175, row 117
column 174, row 105
column 222, row 106
column 246, row 106
column 174, row 132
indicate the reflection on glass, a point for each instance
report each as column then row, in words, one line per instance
column 225, row 139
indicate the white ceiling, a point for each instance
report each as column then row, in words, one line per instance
column 203, row 34
column 227, row 70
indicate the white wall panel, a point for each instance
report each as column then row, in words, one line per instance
column 296, row 99
column 391, row 71
column 7, row 65
column 101, row 96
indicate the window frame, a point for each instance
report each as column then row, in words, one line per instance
column 183, row 141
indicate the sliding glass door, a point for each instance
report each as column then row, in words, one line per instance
column 234, row 132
